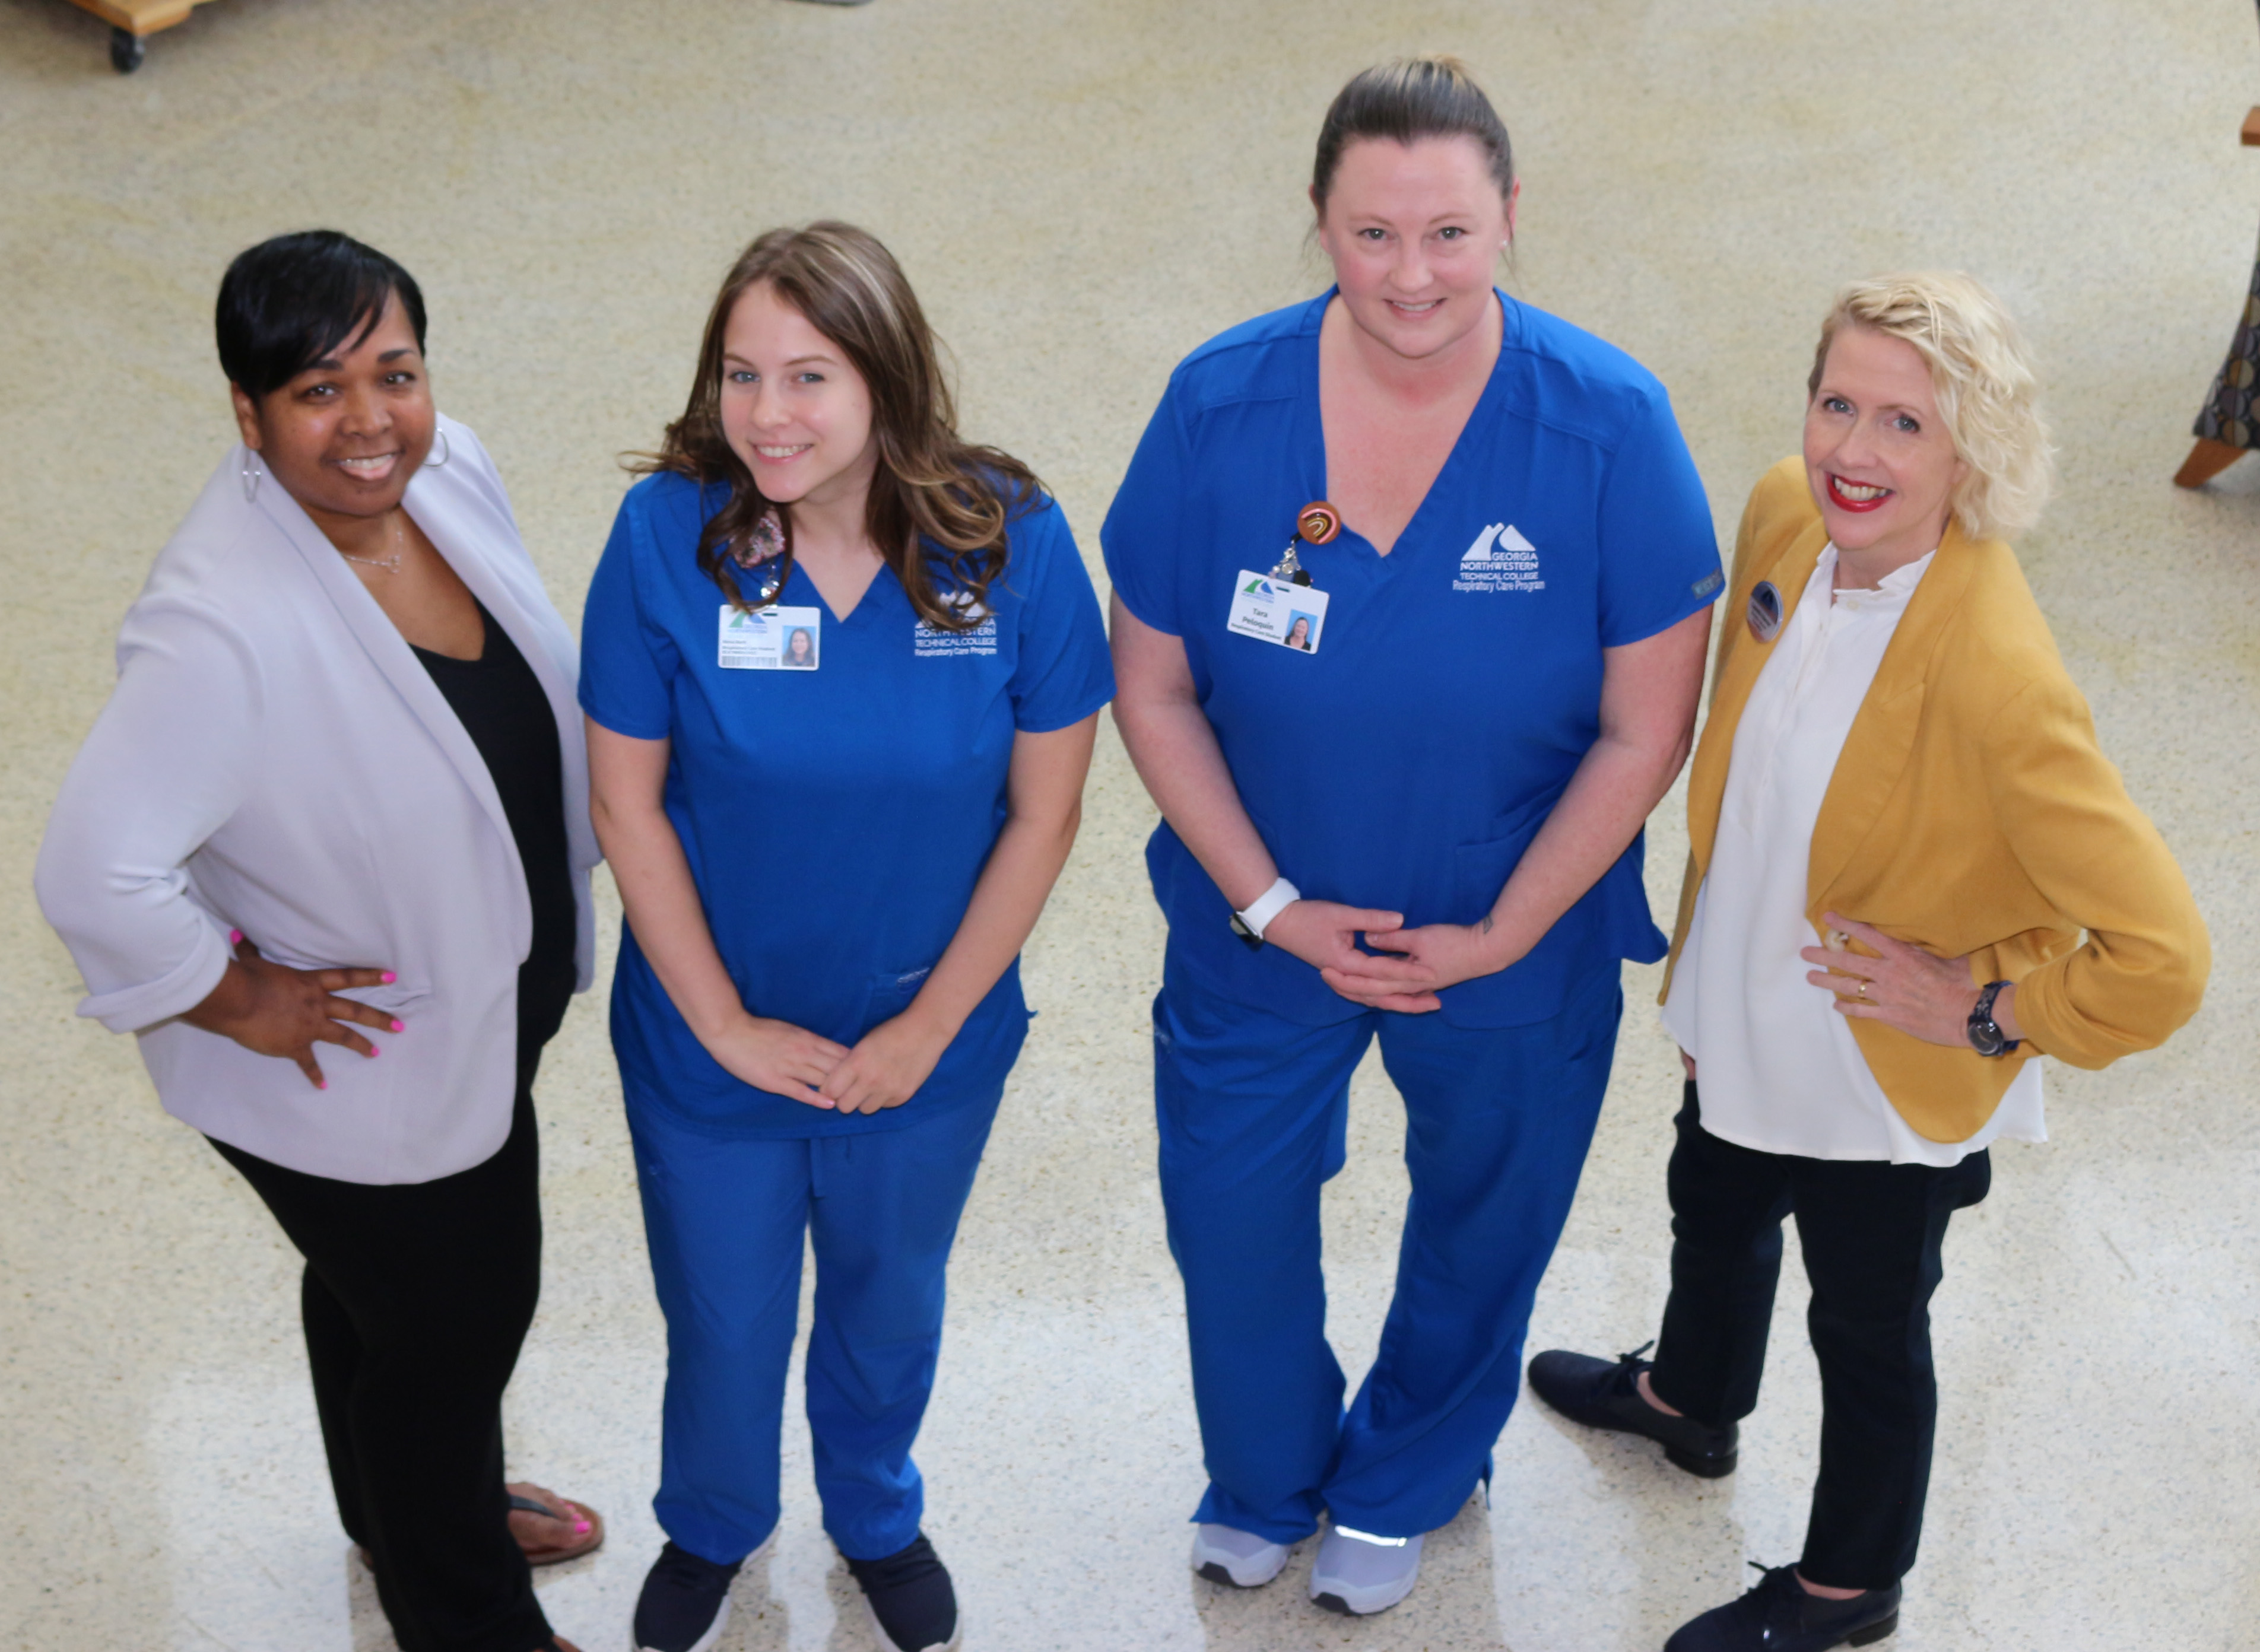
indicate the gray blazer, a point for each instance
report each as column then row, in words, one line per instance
column 275, row 759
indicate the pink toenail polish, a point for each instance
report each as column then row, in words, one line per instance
column 400, row 1026
column 235, row 937
column 580, row 1527
column 388, row 978
column 376, row 1050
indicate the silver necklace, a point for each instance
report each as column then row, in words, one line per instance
column 390, row 564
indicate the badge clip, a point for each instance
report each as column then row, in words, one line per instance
column 1315, row 524
column 768, row 546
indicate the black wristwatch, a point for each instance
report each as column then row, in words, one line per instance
column 1985, row 1034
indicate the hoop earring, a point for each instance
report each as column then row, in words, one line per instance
column 430, row 463
column 250, row 480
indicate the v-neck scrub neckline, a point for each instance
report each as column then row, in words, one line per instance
column 835, row 820
column 1408, row 761
column 1311, row 424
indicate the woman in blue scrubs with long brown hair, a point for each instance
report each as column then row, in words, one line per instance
column 1415, row 817
column 843, row 671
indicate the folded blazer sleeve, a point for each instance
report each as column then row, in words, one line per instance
column 2141, row 971
column 169, row 759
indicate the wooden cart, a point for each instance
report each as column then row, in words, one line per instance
column 132, row 23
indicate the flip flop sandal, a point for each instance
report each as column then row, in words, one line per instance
column 553, row 1555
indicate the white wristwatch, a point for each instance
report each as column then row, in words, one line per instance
column 1252, row 920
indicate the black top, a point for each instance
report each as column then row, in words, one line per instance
column 503, row 709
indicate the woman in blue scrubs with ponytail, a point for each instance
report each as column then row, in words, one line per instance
column 1412, row 592
column 841, row 672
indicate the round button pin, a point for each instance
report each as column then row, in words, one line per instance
column 1317, row 522
column 1764, row 614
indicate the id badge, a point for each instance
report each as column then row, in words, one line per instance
column 1273, row 610
column 770, row 638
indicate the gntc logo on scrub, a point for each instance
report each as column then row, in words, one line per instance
column 1500, row 559
column 1259, row 587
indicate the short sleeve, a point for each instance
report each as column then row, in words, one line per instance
column 1659, row 552
column 1141, row 536
column 1063, row 673
column 628, row 660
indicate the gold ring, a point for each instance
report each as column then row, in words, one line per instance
column 1863, row 990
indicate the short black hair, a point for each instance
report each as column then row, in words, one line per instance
column 289, row 302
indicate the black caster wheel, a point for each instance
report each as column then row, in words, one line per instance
column 127, row 50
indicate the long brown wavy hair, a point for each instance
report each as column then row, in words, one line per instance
column 930, row 485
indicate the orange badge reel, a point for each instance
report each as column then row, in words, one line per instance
column 1315, row 524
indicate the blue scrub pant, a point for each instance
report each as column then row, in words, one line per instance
column 1253, row 1111
column 725, row 1220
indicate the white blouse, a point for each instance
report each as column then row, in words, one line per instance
column 1780, row 1069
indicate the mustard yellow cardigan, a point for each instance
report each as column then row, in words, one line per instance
column 1971, row 811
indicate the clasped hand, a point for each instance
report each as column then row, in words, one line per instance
column 884, row 1069
column 1407, row 968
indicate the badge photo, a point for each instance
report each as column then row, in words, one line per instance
column 770, row 638
column 1271, row 610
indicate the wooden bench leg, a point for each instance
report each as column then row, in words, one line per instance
column 2207, row 460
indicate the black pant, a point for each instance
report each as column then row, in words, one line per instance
column 416, row 1298
column 1871, row 1233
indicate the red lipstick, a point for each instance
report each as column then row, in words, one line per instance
column 1836, row 496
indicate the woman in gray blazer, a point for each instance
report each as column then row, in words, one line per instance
column 325, row 854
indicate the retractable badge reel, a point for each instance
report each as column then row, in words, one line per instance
column 1314, row 524
column 765, row 548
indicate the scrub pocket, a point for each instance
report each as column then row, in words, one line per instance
column 1534, row 988
column 890, row 994
column 1480, row 870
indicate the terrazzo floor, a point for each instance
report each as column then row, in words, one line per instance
column 1081, row 191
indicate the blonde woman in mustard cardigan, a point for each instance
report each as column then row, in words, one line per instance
column 1901, row 826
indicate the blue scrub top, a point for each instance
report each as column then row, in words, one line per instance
column 1408, row 763
column 836, row 819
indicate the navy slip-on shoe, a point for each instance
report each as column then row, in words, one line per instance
column 685, row 1603
column 912, row 1603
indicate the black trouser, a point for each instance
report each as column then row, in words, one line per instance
column 416, row 1298
column 1871, row 1233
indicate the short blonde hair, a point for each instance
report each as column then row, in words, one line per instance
column 1987, row 392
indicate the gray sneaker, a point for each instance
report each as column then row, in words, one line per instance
column 1227, row 1555
column 1360, row 1574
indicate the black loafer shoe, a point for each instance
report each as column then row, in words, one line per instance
column 1780, row 1616
column 913, row 1602
column 1600, row 1395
